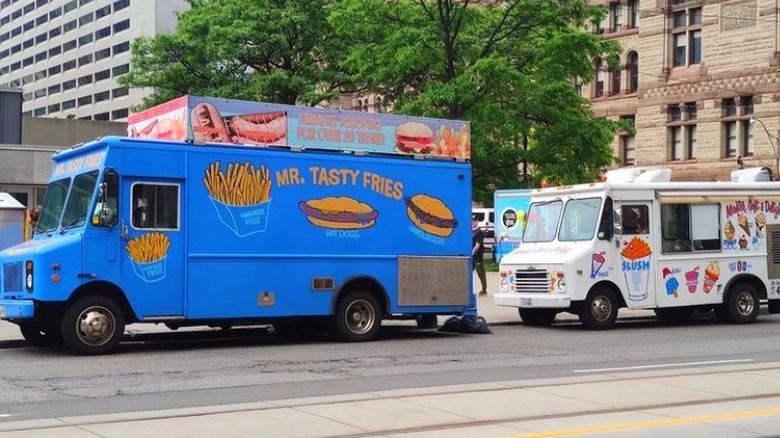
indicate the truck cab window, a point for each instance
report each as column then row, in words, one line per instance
column 155, row 206
column 605, row 226
column 79, row 200
column 635, row 219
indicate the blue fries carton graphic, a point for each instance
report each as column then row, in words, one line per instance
column 241, row 196
column 148, row 253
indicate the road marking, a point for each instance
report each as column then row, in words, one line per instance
column 665, row 365
column 648, row 424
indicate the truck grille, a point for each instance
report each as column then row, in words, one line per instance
column 534, row 281
column 13, row 277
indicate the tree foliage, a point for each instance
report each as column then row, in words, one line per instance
column 281, row 51
column 507, row 66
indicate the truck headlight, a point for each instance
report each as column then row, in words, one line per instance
column 28, row 271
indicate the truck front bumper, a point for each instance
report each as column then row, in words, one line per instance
column 16, row 309
column 541, row 301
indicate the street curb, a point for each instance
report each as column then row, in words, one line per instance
column 573, row 321
column 86, row 420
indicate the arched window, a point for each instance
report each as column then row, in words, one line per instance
column 600, row 78
column 633, row 72
column 378, row 104
column 359, row 105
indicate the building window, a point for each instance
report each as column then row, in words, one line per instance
column 119, row 92
column 55, row 70
column 86, row 59
column 69, row 26
column 69, row 85
column 616, row 17
column 681, row 131
column 102, row 12
column 85, row 100
column 55, row 32
column 102, row 75
column 42, row 19
column 626, row 142
column 103, row 117
column 686, row 36
column 53, row 108
column 600, row 78
column 71, row 5
column 41, row 56
column 70, row 45
column 69, row 104
column 103, row 54
column 121, row 69
column 737, row 131
column 70, row 65
column 86, row 19
column 40, row 93
column 39, row 112
column 119, row 114
column 615, row 75
column 102, row 33
column 85, row 80
column 54, row 13
column 54, row 89
column 121, row 48
column 29, row 43
column 121, row 4
column 85, row 39
column 54, row 51
column 41, row 38
column 633, row 72
column 40, row 75
column 122, row 25
column 102, row 96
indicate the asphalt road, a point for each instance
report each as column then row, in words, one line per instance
column 171, row 370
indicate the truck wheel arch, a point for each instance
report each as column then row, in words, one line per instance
column 748, row 278
column 366, row 284
column 106, row 289
column 621, row 301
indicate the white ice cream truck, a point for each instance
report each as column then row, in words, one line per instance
column 639, row 241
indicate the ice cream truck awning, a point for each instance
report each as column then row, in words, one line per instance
column 8, row 202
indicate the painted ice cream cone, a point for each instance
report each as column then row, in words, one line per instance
column 729, row 232
column 743, row 223
column 760, row 224
column 711, row 276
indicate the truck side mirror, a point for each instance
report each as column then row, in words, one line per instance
column 617, row 223
column 106, row 214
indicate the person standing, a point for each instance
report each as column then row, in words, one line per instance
column 478, row 253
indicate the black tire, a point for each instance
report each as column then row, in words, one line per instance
column 600, row 309
column 358, row 317
column 537, row 317
column 674, row 315
column 40, row 337
column 93, row 325
column 427, row 322
column 172, row 326
column 742, row 304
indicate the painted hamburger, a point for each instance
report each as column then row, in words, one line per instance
column 339, row 213
column 430, row 215
column 414, row 138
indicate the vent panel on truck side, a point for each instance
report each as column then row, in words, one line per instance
column 773, row 247
column 433, row 281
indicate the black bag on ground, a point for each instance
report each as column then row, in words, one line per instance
column 466, row 324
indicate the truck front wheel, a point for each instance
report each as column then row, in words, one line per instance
column 93, row 325
column 599, row 311
column 741, row 306
column 37, row 336
column 358, row 317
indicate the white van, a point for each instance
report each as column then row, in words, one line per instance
column 486, row 219
column 641, row 242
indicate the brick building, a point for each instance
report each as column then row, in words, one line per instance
column 700, row 81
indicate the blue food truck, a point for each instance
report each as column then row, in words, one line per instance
column 247, row 228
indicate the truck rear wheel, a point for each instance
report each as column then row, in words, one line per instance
column 537, row 317
column 40, row 337
column 358, row 317
column 93, row 325
column 599, row 311
column 742, row 305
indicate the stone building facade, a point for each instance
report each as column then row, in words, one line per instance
column 700, row 81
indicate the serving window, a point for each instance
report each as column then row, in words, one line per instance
column 690, row 228
column 155, row 206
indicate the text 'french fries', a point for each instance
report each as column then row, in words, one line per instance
column 148, row 248
column 242, row 185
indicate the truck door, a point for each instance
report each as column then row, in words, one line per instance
column 637, row 255
column 152, row 257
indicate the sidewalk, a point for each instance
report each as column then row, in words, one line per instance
column 493, row 314
column 666, row 403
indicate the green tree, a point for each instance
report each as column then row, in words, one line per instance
column 506, row 66
column 281, row 51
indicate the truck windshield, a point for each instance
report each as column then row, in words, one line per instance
column 542, row 221
column 81, row 192
column 579, row 219
column 52, row 205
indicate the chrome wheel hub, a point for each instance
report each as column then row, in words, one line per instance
column 360, row 317
column 95, row 326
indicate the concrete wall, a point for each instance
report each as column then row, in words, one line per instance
column 28, row 166
column 62, row 133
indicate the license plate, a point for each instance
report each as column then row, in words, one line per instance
column 2, row 311
column 525, row 302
